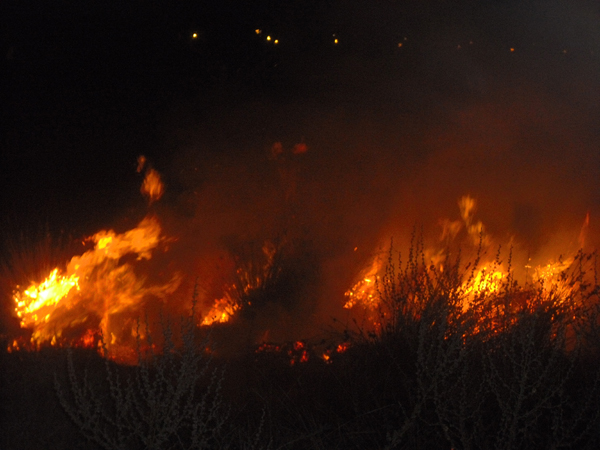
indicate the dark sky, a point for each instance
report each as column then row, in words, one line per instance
column 90, row 86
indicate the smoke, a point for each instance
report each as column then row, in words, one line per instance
column 394, row 143
column 393, row 136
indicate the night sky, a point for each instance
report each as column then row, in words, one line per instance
column 417, row 104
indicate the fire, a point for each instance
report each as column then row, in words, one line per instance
column 152, row 187
column 253, row 277
column 477, row 286
column 221, row 311
column 296, row 352
column 548, row 273
column 34, row 301
column 95, row 286
column 487, row 281
column 340, row 348
column 100, row 292
column 364, row 292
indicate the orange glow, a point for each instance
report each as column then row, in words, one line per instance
column 141, row 163
column 341, row 348
column 364, row 292
column 487, row 280
column 95, row 286
column 221, row 311
column 300, row 148
column 37, row 302
column 249, row 279
column 479, row 286
column 152, row 187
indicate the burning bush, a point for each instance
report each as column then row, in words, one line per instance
column 459, row 356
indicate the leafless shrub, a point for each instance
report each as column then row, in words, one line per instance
column 169, row 400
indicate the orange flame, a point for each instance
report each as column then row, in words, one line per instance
column 488, row 280
column 221, row 311
column 152, row 187
column 96, row 284
column 364, row 292
column 250, row 278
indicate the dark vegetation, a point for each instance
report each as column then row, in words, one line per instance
column 518, row 369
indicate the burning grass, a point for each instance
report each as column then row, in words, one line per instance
column 449, row 356
column 441, row 350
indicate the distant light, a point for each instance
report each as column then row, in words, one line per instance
column 399, row 44
column 194, row 35
column 335, row 41
column 258, row 31
column 512, row 49
column 268, row 38
column 565, row 51
column 276, row 41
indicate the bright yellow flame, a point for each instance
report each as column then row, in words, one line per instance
column 364, row 292
column 43, row 297
column 335, row 41
column 194, row 35
column 487, row 281
column 95, row 284
column 221, row 311
column 276, row 41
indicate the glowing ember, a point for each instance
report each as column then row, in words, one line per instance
column 296, row 352
column 340, row 348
